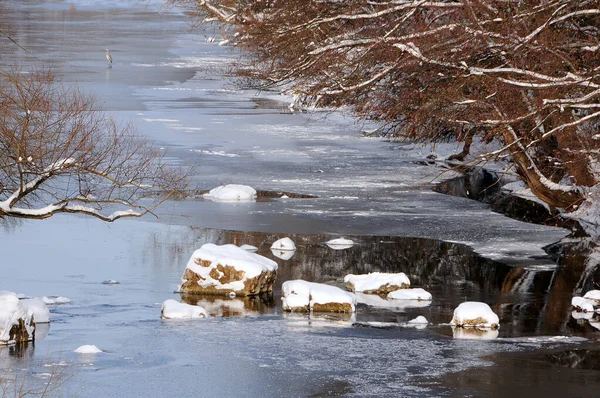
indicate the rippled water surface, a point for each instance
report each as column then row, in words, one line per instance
column 167, row 79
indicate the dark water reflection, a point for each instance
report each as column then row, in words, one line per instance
column 530, row 301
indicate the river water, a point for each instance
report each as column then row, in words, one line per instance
column 169, row 81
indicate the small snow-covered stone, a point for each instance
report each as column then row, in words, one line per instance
column 593, row 295
column 420, row 320
column 232, row 193
column 250, row 248
column 111, row 282
column 582, row 315
column 376, row 282
column 53, row 300
column 172, row 309
column 475, row 314
column 225, row 269
column 410, row 294
column 41, row 314
column 582, row 304
column 374, row 300
column 88, row 349
column 340, row 243
column 283, row 244
column 300, row 295
column 17, row 323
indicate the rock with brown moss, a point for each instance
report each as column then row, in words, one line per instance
column 302, row 296
column 476, row 315
column 377, row 282
column 17, row 323
column 226, row 270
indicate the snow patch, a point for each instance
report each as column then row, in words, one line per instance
column 340, row 243
column 250, row 248
column 582, row 304
column 410, row 294
column 377, row 282
column 88, row 349
column 41, row 314
column 54, row 300
column 283, row 244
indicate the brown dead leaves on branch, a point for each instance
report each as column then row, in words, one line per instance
column 526, row 73
column 60, row 153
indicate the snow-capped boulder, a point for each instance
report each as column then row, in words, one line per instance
column 17, row 324
column 340, row 243
column 283, row 244
column 300, row 295
column 226, row 269
column 283, row 254
column 172, row 309
column 410, row 294
column 41, row 314
column 232, row 193
column 582, row 304
column 374, row 300
column 376, row 282
column 475, row 314
column 593, row 295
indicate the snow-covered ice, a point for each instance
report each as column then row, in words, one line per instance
column 172, row 309
column 54, row 300
column 232, row 193
column 340, row 243
column 300, row 295
column 582, row 304
column 377, row 282
column 88, row 349
column 41, row 314
column 410, row 294
column 475, row 314
column 227, row 268
column 283, row 244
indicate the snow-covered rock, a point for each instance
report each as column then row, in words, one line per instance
column 376, row 282
column 475, row 314
column 41, row 314
column 340, row 243
column 172, row 309
column 283, row 254
column 593, row 295
column 88, row 349
column 300, row 295
column 226, row 269
column 374, row 300
column 410, row 294
column 54, row 300
column 474, row 333
column 111, row 282
column 582, row 315
column 283, row 244
column 250, row 248
column 582, row 304
column 232, row 193
column 17, row 324
column 420, row 320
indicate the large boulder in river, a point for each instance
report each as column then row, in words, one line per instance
column 476, row 315
column 377, row 282
column 17, row 324
column 227, row 269
column 303, row 296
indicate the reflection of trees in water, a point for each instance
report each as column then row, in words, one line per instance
column 528, row 301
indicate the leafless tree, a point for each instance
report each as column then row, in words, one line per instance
column 523, row 73
column 59, row 153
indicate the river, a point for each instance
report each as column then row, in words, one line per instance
column 170, row 80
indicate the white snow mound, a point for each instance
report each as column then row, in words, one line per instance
column 53, row 300
column 340, row 243
column 250, row 248
column 88, row 349
column 410, row 294
column 475, row 314
column 582, row 304
column 41, row 314
column 11, row 312
column 420, row 320
column 300, row 295
column 376, row 282
column 232, row 193
column 172, row 309
column 283, row 244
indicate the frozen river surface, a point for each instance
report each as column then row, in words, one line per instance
column 167, row 80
